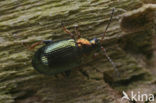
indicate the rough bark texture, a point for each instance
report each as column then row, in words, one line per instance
column 131, row 47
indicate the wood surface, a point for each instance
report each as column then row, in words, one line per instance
column 130, row 42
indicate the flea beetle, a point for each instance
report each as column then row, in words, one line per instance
column 63, row 55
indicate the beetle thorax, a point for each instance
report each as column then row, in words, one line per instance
column 82, row 42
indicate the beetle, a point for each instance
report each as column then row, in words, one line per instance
column 64, row 55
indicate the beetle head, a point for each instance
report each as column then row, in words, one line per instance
column 94, row 41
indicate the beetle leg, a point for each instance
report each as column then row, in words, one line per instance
column 110, row 60
column 67, row 31
column 38, row 43
column 77, row 32
column 26, row 46
column 67, row 73
column 95, row 55
column 34, row 45
column 84, row 73
column 56, row 75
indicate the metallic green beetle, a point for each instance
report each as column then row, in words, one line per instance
column 64, row 55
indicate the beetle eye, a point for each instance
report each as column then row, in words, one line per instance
column 94, row 41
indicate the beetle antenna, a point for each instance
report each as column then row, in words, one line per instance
column 111, row 61
column 103, row 35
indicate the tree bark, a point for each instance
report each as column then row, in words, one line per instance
column 130, row 42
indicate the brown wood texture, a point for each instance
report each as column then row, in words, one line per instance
column 130, row 42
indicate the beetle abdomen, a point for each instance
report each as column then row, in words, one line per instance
column 57, row 57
